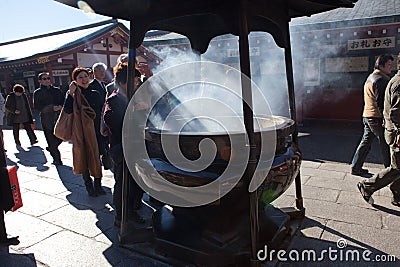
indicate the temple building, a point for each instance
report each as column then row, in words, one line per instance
column 60, row 52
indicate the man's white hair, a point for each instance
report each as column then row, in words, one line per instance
column 98, row 64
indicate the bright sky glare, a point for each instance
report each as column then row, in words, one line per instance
column 25, row 18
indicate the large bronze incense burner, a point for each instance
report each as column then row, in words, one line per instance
column 285, row 167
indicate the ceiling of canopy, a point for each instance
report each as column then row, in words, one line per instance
column 201, row 21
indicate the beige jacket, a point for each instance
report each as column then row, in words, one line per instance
column 374, row 91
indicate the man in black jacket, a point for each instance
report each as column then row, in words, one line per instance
column 99, row 71
column 48, row 100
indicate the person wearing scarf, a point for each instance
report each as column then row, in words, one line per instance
column 85, row 105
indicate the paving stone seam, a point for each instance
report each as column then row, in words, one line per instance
column 44, row 193
column 88, row 207
column 365, row 226
column 38, row 216
column 348, row 239
column 52, row 195
column 22, row 249
column 327, row 178
column 322, row 169
column 27, row 171
column 374, row 210
column 42, row 176
column 385, row 225
column 338, row 195
column 37, row 177
column 311, row 198
column 323, row 228
column 302, row 177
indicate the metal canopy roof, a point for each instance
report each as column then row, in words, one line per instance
column 202, row 20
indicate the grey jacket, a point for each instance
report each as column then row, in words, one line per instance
column 391, row 110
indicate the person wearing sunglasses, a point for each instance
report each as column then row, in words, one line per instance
column 48, row 100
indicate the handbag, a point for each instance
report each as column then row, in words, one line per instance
column 63, row 126
column 16, row 192
column 104, row 130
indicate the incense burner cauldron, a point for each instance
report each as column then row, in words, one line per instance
column 285, row 164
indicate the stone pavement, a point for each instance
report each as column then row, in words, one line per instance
column 59, row 225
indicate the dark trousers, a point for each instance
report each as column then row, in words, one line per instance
column 372, row 129
column 28, row 129
column 2, row 136
column 387, row 176
column 53, row 142
column 135, row 192
column 3, row 233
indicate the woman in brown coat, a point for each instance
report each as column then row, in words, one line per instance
column 85, row 105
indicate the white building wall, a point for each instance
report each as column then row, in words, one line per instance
column 87, row 60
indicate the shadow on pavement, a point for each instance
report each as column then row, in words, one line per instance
column 345, row 251
column 387, row 210
column 79, row 199
column 99, row 222
column 27, row 158
column 10, row 162
column 333, row 141
column 13, row 259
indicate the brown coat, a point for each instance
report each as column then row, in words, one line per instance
column 85, row 151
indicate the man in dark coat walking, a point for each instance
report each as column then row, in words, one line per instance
column 48, row 100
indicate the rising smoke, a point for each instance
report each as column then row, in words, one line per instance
column 267, row 71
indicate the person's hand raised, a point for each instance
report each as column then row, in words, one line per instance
column 72, row 88
column 57, row 108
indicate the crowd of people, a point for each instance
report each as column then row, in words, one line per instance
column 97, row 110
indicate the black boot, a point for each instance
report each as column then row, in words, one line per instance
column 97, row 187
column 89, row 185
